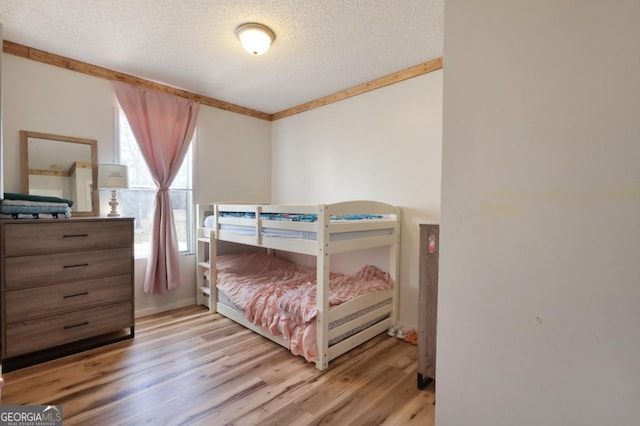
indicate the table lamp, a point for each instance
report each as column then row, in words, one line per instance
column 113, row 177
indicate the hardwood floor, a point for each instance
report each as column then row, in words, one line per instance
column 188, row 367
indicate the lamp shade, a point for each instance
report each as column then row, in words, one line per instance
column 113, row 176
column 255, row 38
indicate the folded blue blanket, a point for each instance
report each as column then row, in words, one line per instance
column 37, row 198
column 19, row 208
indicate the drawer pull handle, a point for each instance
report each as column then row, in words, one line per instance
column 84, row 293
column 67, row 327
column 75, row 266
column 74, row 235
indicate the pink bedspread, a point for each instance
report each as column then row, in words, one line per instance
column 280, row 296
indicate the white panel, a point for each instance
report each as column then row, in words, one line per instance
column 341, row 329
column 232, row 158
column 360, row 243
column 358, row 303
column 357, row 339
column 539, row 295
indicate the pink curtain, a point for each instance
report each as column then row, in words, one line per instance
column 163, row 126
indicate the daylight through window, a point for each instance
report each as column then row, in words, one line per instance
column 138, row 200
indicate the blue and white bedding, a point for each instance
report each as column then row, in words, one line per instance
column 295, row 217
column 209, row 222
column 304, row 235
column 33, row 209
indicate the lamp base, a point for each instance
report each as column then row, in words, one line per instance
column 114, row 204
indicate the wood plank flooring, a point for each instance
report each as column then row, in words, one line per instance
column 190, row 367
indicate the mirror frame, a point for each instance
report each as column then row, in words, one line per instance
column 24, row 165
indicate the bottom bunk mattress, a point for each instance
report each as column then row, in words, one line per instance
column 280, row 296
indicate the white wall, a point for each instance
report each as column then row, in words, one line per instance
column 539, row 296
column 43, row 98
column 48, row 99
column 233, row 161
column 383, row 145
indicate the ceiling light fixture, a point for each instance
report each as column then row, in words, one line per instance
column 255, row 38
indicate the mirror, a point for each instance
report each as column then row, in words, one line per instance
column 61, row 166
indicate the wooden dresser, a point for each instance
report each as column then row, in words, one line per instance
column 66, row 286
column 428, row 303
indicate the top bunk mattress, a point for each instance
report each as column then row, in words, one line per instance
column 246, row 230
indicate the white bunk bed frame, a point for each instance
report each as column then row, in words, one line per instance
column 322, row 248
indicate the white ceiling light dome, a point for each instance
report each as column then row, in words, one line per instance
column 255, row 38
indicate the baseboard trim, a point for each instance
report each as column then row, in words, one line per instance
column 406, row 325
column 157, row 309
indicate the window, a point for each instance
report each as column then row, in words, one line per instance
column 138, row 200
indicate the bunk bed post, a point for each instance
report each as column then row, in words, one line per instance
column 213, row 276
column 258, row 226
column 394, row 273
column 203, row 256
column 322, row 289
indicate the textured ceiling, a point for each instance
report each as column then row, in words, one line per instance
column 321, row 47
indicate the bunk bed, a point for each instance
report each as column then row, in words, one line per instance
column 315, row 230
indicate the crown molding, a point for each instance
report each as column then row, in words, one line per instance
column 108, row 74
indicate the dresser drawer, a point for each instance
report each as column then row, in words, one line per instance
column 37, row 302
column 29, row 336
column 36, row 238
column 30, row 271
